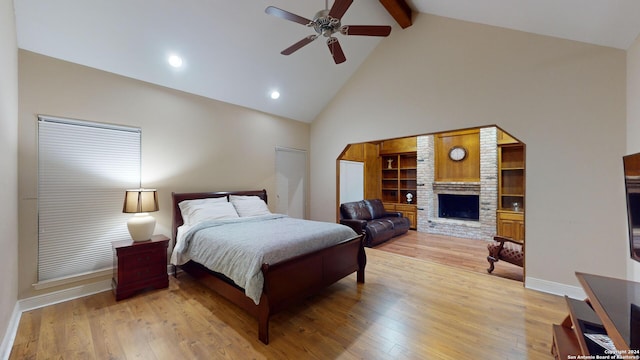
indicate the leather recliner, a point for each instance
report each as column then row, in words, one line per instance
column 370, row 217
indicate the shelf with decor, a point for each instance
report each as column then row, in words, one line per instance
column 398, row 179
column 511, row 199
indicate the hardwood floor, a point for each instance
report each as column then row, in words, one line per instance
column 458, row 252
column 407, row 309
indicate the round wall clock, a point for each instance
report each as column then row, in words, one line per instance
column 457, row 153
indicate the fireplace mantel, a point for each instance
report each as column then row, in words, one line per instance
column 440, row 187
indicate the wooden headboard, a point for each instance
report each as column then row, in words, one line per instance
column 178, row 197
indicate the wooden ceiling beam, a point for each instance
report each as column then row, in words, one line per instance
column 400, row 11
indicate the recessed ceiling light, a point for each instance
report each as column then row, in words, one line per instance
column 275, row 94
column 175, row 61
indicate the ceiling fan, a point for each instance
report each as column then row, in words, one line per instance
column 326, row 23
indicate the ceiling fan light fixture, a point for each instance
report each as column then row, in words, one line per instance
column 326, row 23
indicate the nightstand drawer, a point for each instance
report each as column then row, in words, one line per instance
column 139, row 265
column 141, row 259
column 131, row 274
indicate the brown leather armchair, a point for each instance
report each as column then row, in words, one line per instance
column 505, row 249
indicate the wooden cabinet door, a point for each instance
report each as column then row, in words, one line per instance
column 511, row 227
column 408, row 211
column 519, row 230
column 411, row 215
column 508, row 228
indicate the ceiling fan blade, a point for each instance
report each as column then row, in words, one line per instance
column 272, row 10
column 295, row 47
column 339, row 8
column 366, row 30
column 336, row 50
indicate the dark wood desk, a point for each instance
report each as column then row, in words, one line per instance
column 612, row 308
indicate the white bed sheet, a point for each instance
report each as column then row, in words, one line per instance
column 237, row 248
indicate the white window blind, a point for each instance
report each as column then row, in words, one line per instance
column 84, row 169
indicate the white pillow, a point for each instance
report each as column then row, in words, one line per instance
column 195, row 211
column 184, row 203
column 249, row 205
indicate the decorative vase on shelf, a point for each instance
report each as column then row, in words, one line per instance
column 409, row 198
column 389, row 161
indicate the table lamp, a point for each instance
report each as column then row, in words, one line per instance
column 141, row 202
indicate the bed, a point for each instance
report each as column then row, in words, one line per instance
column 284, row 282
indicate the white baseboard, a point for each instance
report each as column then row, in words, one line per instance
column 555, row 288
column 51, row 298
column 55, row 297
column 10, row 335
column 45, row 300
column 69, row 294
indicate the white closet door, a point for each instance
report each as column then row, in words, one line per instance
column 351, row 181
column 291, row 182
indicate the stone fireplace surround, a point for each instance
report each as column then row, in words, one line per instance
column 486, row 189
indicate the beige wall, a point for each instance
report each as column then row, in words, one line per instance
column 633, row 120
column 189, row 143
column 9, row 166
column 565, row 100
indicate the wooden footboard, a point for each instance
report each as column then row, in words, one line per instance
column 293, row 280
column 286, row 282
column 290, row 281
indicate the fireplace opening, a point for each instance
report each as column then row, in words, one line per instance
column 461, row 207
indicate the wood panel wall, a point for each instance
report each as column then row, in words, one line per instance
column 372, row 172
column 467, row 170
column 399, row 146
column 353, row 152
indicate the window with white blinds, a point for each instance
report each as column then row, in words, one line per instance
column 84, row 169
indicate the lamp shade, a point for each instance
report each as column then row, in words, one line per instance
column 140, row 201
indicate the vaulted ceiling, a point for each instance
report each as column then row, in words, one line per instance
column 231, row 49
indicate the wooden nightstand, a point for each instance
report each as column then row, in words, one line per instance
column 139, row 265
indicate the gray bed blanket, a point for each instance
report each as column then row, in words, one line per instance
column 237, row 248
